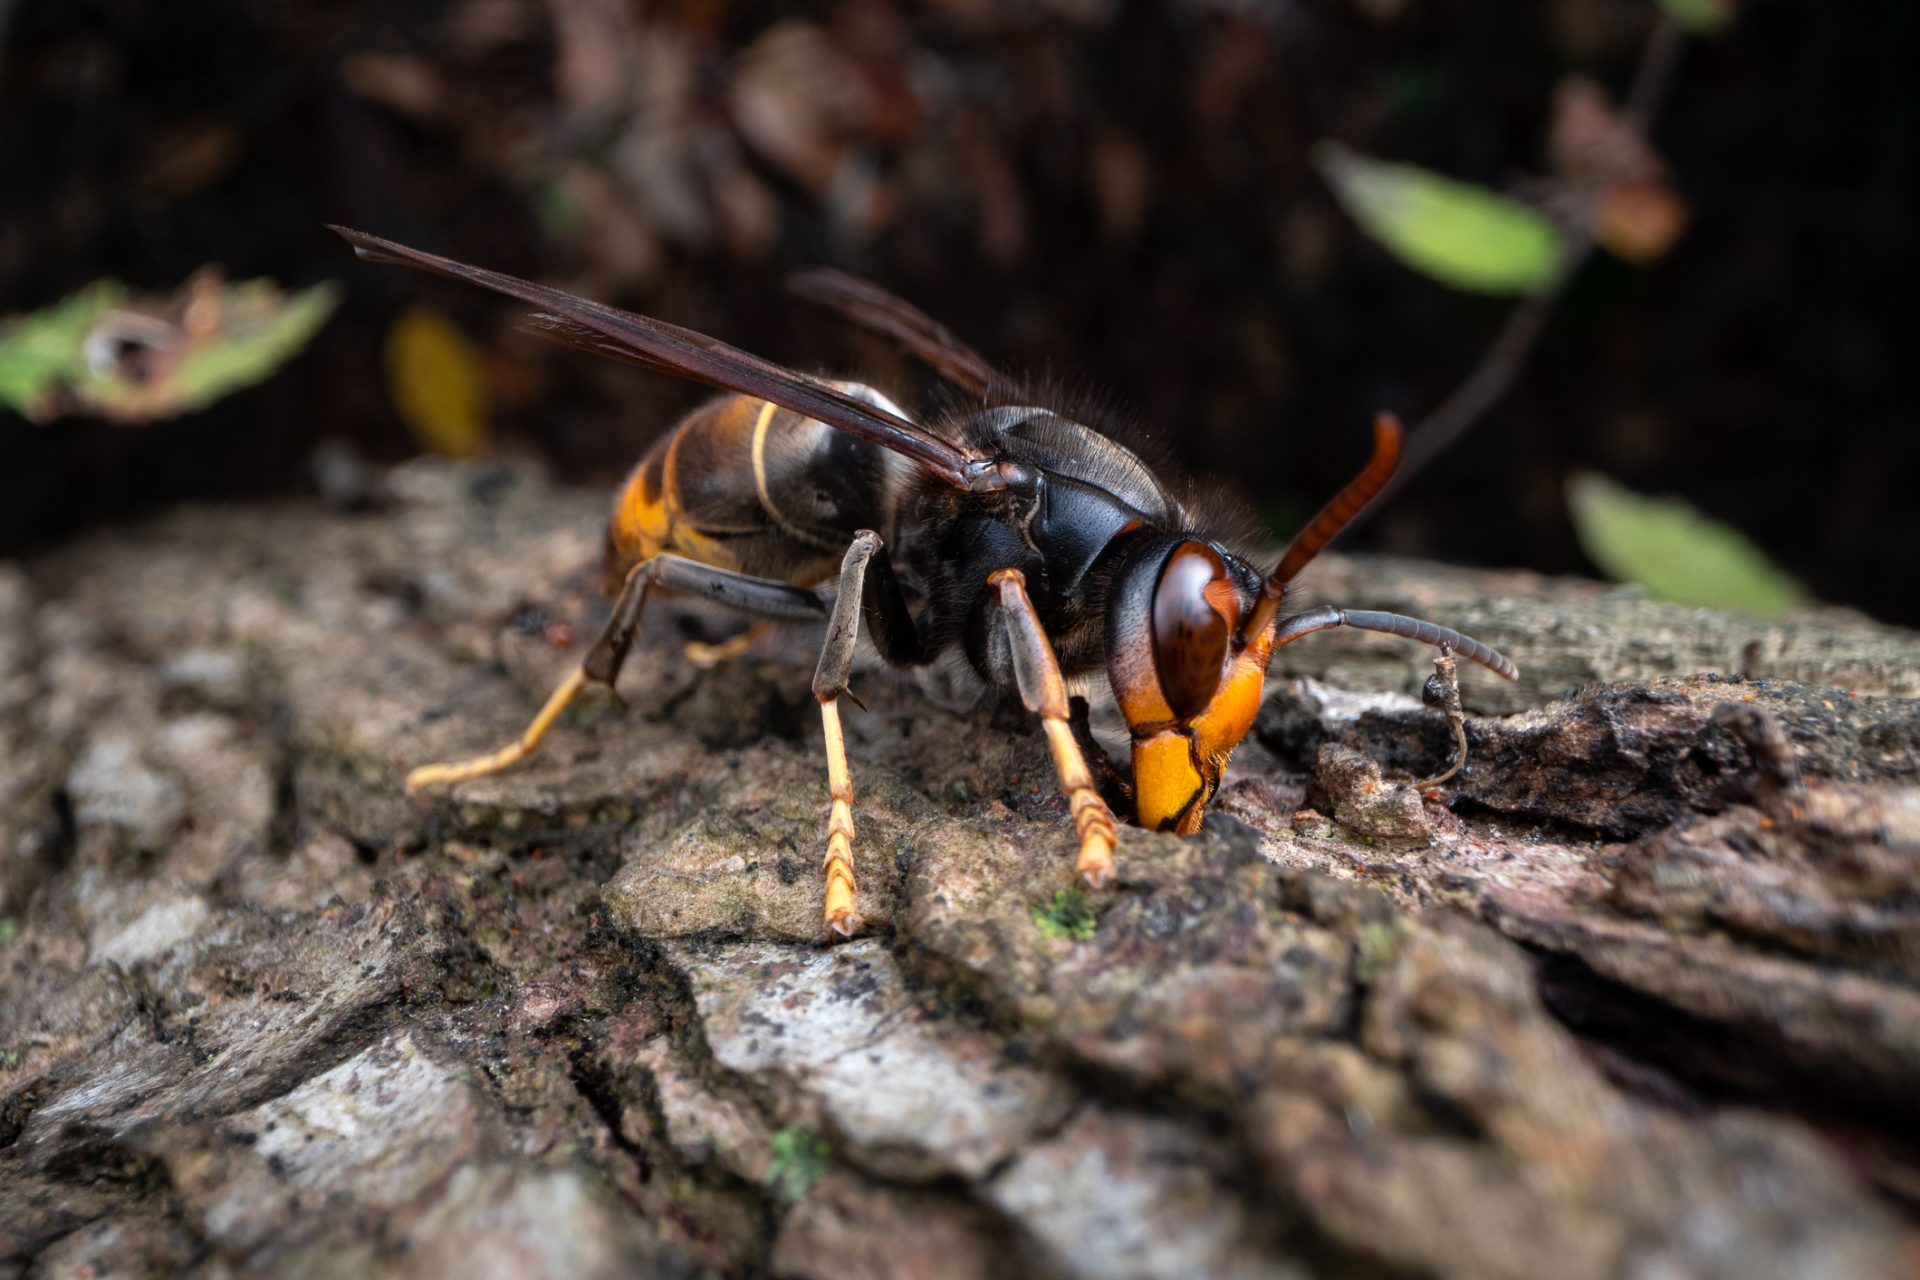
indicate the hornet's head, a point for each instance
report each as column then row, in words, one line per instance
column 1188, row 682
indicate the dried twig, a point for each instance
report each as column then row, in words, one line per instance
column 1507, row 355
column 1443, row 691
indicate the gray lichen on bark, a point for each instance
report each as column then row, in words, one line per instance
column 1633, row 995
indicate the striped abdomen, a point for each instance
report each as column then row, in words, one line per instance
column 745, row 485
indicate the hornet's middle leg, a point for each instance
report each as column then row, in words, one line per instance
column 867, row 588
column 1045, row 693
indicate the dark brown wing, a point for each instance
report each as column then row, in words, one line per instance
column 667, row 348
column 866, row 304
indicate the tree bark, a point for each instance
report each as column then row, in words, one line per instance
column 1633, row 994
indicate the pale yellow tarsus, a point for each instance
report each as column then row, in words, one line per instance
column 1091, row 817
column 841, row 915
column 431, row 775
column 703, row 655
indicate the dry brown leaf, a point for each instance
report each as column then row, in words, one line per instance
column 399, row 83
column 1591, row 143
column 1639, row 221
column 626, row 249
column 989, row 177
column 749, row 215
column 795, row 101
column 597, row 40
column 1637, row 214
column 190, row 157
column 1121, row 176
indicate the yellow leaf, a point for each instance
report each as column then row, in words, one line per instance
column 438, row 383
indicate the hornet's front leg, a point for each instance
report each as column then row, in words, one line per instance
column 867, row 588
column 1038, row 674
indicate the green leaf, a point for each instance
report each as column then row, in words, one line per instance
column 1674, row 552
column 1461, row 235
column 1702, row 16
column 1070, row 916
column 262, row 332
column 206, row 342
column 41, row 351
column 799, row 1161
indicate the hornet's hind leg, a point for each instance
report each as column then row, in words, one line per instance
column 759, row 597
column 704, row 654
column 867, row 588
column 1045, row 693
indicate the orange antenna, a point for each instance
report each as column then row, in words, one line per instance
column 1326, row 526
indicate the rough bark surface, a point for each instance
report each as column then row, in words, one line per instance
column 1634, row 996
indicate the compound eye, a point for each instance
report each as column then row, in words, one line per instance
column 1194, row 611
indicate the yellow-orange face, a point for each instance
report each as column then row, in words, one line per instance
column 1188, row 694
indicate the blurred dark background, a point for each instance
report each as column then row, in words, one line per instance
column 1118, row 194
